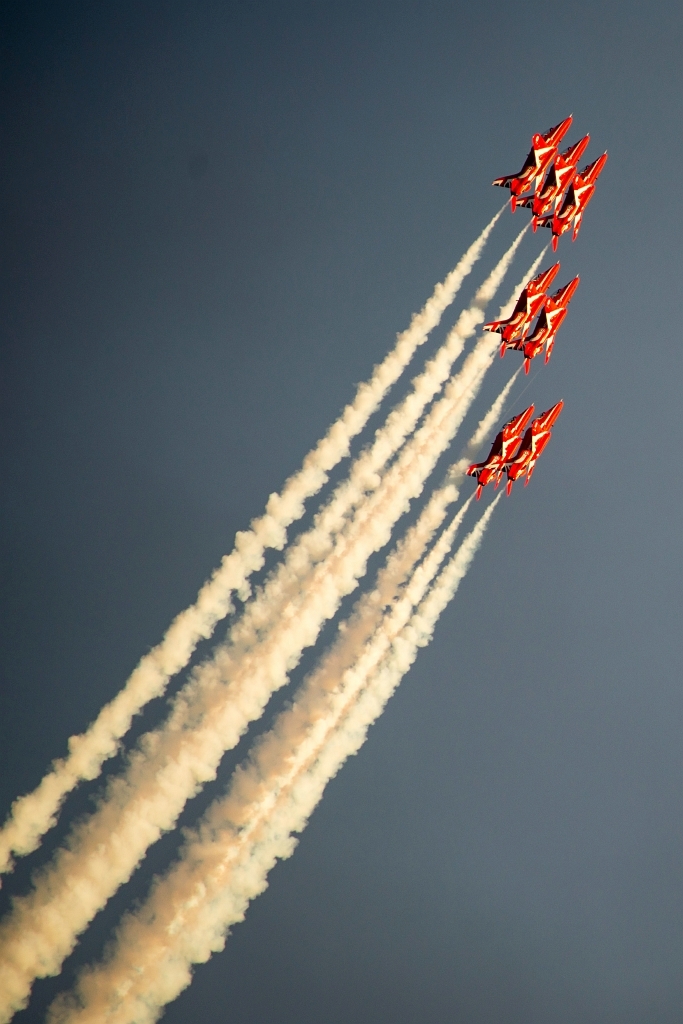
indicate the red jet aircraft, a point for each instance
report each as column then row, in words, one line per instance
column 578, row 196
column 533, row 443
column 547, row 326
column 529, row 305
column 503, row 449
column 560, row 177
column 543, row 150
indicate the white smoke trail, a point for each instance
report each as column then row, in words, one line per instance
column 208, row 718
column 34, row 813
column 286, row 582
column 484, row 428
column 317, row 706
column 371, row 608
column 226, row 863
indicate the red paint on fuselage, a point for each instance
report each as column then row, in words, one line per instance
column 573, row 207
column 534, row 441
column 548, row 324
column 503, row 449
column 560, row 177
column 541, row 155
column 529, row 304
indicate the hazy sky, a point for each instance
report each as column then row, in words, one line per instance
column 215, row 218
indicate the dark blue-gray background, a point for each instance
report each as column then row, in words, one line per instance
column 215, row 218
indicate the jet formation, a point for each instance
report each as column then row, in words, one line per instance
column 516, row 449
column 557, row 193
column 533, row 302
column 550, row 184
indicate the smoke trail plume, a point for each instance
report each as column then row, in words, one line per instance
column 209, row 716
column 33, row 814
column 483, row 431
column 225, row 864
column 365, row 474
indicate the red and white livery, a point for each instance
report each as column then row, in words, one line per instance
column 534, row 441
column 578, row 196
column 529, row 304
column 560, row 176
column 541, row 155
column 548, row 324
column 504, row 447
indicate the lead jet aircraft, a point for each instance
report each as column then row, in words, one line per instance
column 529, row 304
column 578, row 196
column 533, row 443
column 543, row 150
column 560, row 176
column 504, row 447
column 548, row 324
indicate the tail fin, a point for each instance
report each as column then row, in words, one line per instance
column 503, row 347
column 555, row 240
column 527, row 364
column 478, row 491
column 508, row 488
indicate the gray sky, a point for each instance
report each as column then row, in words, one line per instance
column 216, row 217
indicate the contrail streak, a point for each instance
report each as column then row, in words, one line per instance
column 34, row 813
column 486, row 425
column 209, row 716
column 278, row 758
column 285, row 582
column 226, row 863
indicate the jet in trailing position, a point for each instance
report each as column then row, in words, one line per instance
column 534, row 441
column 541, row 155
column 529, row 304
column 578, row 196
column 504, row 447
column 560, row 176
column 548, row 324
